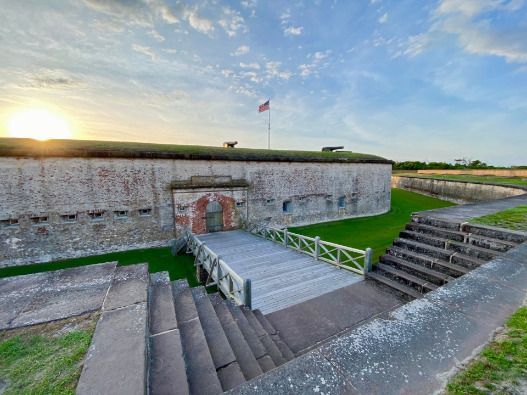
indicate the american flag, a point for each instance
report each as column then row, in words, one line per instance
column 264, row 107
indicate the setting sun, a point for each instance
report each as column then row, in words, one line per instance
column 38, row 124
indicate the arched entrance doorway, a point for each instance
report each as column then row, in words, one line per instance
column 214, row 217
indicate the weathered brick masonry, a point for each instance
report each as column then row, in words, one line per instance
column 60, row 206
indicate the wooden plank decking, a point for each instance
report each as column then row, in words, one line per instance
column 280, row 276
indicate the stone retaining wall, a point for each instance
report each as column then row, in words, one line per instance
column 63, row 207
column 460, row 192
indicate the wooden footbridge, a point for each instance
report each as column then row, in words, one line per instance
column 271, row 269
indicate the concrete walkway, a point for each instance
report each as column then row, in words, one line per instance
column 419, row 346
column 43, row 297
column 465, row 212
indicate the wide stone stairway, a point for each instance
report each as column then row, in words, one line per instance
column 430, row 252
column 161, row 337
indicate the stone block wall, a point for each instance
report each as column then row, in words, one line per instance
column 63, row 207
column 459, row 192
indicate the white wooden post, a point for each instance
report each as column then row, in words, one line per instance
column 367, row 260
column 317, row 247
column 247, row 298
column 285, row 237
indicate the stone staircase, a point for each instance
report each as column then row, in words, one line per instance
column 431, row 252
column 179, row 340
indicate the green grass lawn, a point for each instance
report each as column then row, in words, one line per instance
column 514, row 218
column 468, row 177
column 501, row 368
column 159, row 259
column 376, row 232
column 45, row 359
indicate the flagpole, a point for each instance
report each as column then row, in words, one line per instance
column 269, row 129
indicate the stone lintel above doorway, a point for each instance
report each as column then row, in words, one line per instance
column 197, row 182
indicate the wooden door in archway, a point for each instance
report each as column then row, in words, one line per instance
column 214, row 217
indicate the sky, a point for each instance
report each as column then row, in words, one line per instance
column 406, row 80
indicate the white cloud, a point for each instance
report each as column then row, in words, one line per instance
column 138, row 12
column 202, row 25
column 467, row 7
column 474, row 35
column 292, row 31
column 227, row 72
column 155, row 35
column 249, row 4
column 232, row 22
column 306, row 69
column 383, row 18
column 415, row 45
column 273, row 70
column 322, row 55
column 249, row 65
column 144, row 50
column 170, row 50
column 481, row 39
column 242, row 50
column 374, row 1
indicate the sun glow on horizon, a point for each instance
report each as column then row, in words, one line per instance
column 38, row 124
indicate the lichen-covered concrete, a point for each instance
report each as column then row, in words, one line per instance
column 43, row 297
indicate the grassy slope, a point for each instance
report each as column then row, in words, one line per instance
column 459, row 177
column 514, row 218
column 15, row 146
column 375, row 232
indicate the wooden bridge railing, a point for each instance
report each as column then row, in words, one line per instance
column 341, row 256
column 219, row 273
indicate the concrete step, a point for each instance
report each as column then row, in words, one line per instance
column 200, row 368
column 436, row 222
column 403, row 291
column 428, row 274
column 256, row 346
column 227, row 367
column 473, row 251
column 421, row 285
column 437, row 232
column 424, row 249
column 490, row 243
column 121, row 331
column 513, row 236
column 449, row 268
column 424, row 238
column 246, row 359
column 166, row 372
column 282, row 346
column 270, row 347
column 470, row 249
column 484, row 241
column 466, row 261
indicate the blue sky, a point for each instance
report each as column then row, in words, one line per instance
column 407, row 80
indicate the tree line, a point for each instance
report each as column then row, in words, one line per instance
column 460, row 164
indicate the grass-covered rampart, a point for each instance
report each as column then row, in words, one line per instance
column 120, row 149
